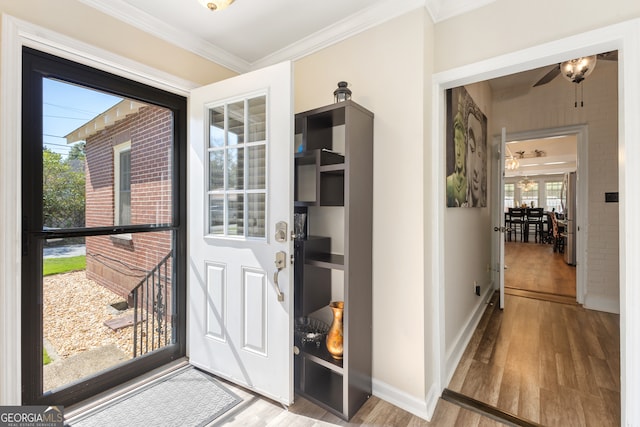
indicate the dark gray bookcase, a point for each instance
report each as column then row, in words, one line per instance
column 334, row 169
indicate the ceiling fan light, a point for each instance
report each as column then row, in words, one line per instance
column 214, row 5
column 576, row 70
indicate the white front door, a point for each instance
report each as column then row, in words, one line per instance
column 240, row 167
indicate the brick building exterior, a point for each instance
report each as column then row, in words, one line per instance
column 120, row 262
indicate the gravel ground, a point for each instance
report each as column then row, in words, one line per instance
column 74, row 311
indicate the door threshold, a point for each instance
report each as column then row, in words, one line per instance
column 486, row 410
column 106, row 397
column 544, row 296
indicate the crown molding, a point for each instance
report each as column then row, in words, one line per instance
column 374, row 15
column 124, row 12
column 441, row 10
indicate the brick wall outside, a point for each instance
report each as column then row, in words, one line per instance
column 120, row 262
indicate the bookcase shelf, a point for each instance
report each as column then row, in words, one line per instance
column 334, row 170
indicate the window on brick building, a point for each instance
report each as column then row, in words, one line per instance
column 122, row 185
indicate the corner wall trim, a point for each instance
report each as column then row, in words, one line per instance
column 606, row 303
column 418, row 407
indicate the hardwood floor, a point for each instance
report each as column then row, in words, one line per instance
column 259, row 411
column 554, row 364
column 534, row 267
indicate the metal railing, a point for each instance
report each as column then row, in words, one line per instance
column 151, row 321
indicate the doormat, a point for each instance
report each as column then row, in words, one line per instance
column 188, row 397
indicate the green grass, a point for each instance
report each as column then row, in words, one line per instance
column 45, row 357
column 64, row 265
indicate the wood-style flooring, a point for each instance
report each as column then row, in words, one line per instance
column 258, row 411
column 554, row 364
column 533, row 269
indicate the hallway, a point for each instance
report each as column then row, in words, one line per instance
column 551, row 363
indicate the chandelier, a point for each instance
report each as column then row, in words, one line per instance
column 525, row 184
column 214, row 5
column 511, row 163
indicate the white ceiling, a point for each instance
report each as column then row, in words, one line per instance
column 255, row 33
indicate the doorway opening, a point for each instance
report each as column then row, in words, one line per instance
column 540, row 247
column 491, row 369
column 103, row 203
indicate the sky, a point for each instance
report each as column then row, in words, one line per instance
column 67, row 107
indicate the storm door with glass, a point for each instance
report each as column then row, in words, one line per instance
column 103, row 214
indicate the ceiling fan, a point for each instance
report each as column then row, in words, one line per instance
column 576, row 70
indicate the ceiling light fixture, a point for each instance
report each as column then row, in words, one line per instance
column 525, row 184
column 511, row 163
column 214, row 5
column 576, row 70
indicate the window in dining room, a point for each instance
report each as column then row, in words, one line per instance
column 530, row 197
column 509, row 195
column 553, row 192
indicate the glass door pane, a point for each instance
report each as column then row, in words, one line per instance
column 237, row 172
column 107, row 297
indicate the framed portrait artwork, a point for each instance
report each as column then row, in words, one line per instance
column 466, row 140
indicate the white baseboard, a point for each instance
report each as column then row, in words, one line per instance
column 455, row 351
column 416, row 406
column 604, row 303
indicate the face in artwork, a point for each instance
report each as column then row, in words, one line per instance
column 476, row 172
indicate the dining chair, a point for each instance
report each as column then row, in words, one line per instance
column 518, row 222
column 558, row 235
column 534, row 221
column 507, row 226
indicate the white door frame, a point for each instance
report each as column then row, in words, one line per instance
column 497, row 213
column 581, row 132
column 624, row 37
column 16, row 34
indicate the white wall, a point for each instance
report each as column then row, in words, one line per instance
column 467, row 252
column 384, row 68
column 552, row 106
